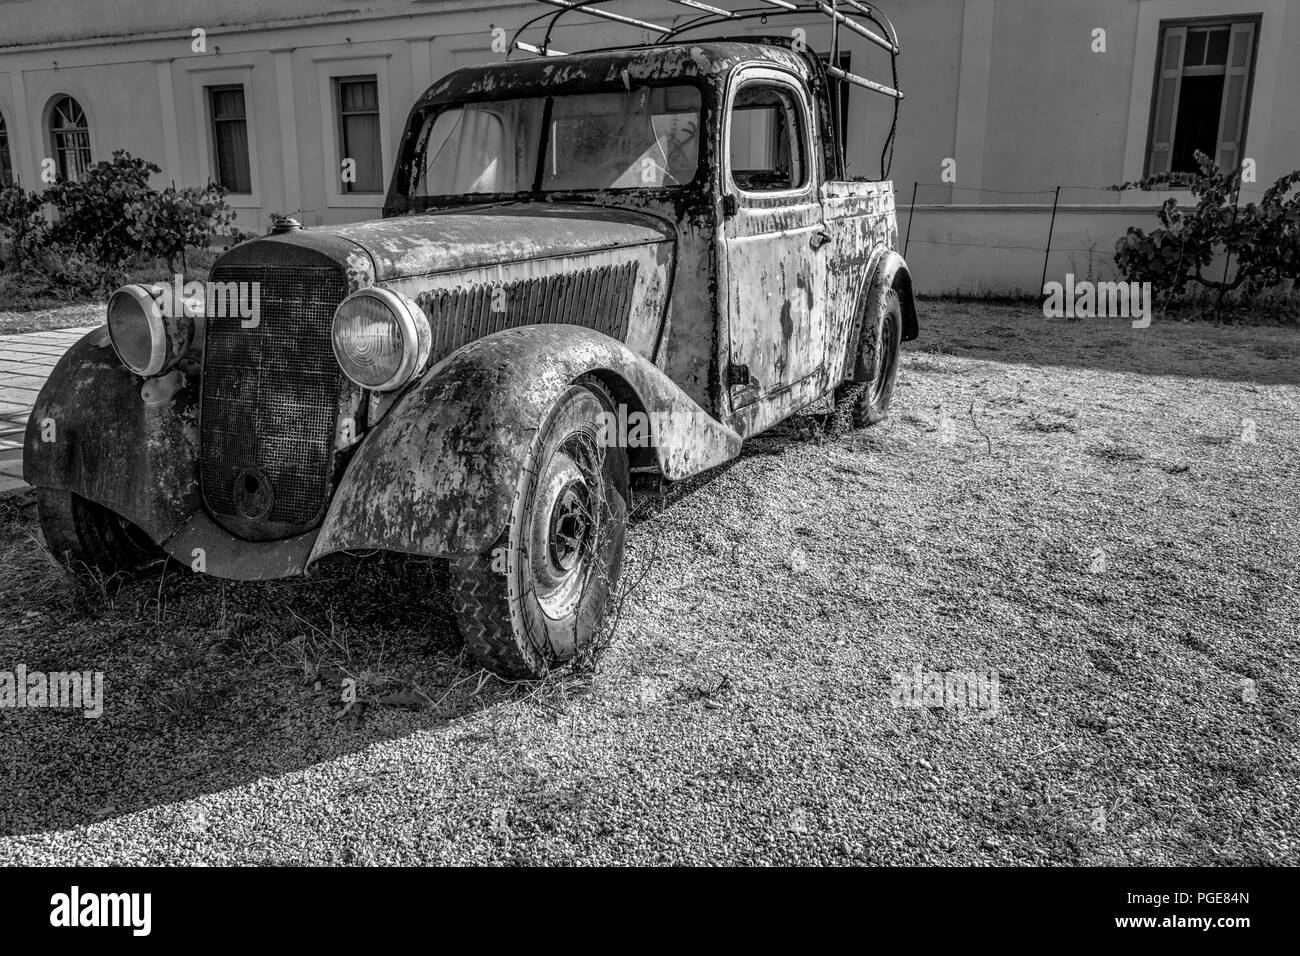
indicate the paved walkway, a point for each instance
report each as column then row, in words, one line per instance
column 25, row 363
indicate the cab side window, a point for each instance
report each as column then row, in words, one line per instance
column 767, row 139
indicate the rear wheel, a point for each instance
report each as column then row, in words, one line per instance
column 866, row 403
column 87, row 536
column 539, row 596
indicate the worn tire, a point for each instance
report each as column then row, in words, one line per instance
column 865, row 403
column 87, row 537
column 539, row 596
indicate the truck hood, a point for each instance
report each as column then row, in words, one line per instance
column 477, row 270
column 468, row 238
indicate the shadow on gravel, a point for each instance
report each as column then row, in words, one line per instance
column 211, row 684
column 1021, row 335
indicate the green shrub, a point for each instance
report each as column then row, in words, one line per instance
column 167, row 222
column 22, row 227
column 95, row 211
column 236, row 235
column 108, row 224
column 114, row 211
column 1262, row 239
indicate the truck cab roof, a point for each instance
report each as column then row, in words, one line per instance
column 659, row 63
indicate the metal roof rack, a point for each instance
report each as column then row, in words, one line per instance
column 711, row 15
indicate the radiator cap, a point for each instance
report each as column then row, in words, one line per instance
column 283, row 224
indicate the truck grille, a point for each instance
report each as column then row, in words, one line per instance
column 270, row 400
column 599, row 298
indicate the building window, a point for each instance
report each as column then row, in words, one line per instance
column 766, row 139
column 6, row 167
column 230, row 138
column 358, row 105
column 71, row 138
column 1202, row 94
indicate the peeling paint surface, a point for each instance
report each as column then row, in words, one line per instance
column 461, row 239
column 438, row 474
column 111, row 445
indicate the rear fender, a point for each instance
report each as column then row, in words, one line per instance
column 890, row 272
column 437, row 475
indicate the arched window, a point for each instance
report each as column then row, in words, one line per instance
column 6, row 167
column 70, row 137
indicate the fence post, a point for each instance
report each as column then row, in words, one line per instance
column 1047, row 254
column 911, row 211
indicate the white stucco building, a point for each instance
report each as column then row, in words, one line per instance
column 1006, row 101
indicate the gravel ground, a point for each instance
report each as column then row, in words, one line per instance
column 1104, row 518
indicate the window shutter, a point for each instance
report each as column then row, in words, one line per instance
column 1167, row 90
column 1232, row 122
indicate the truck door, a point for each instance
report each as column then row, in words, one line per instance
column 773, row 233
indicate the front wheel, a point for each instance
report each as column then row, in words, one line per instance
column 539, row 596
column 88, row 537
column 866, row 403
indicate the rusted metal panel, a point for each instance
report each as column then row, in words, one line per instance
column 775, row 265
column 227, row 555
column 621, row 292
column 460, row 239
column 776, row 305
column 438, row 474
column 712, row 60
column 109, row 444
column 863, row 228
column 598, row 298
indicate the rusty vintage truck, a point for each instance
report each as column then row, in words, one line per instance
column 664, row 231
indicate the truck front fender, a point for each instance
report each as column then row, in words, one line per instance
column 437, row 475
column 127, row 443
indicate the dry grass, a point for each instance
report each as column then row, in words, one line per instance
column 743, row 714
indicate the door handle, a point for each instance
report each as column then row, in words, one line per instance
column 820, row 239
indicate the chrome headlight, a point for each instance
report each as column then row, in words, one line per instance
column 151, row 330
column 381, row 339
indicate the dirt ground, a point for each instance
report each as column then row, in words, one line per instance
column 1102, row 518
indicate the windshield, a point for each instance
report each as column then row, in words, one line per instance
column 648, row 137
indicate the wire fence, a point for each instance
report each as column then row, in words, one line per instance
column 1245, row 190
column 1054, row 193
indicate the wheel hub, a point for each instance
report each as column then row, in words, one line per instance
column 564, row 528
column 570, row 526
column 883, row 361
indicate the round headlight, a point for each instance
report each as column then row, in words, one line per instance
column 153, row 328
column 137, row 330
column 381, row 339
